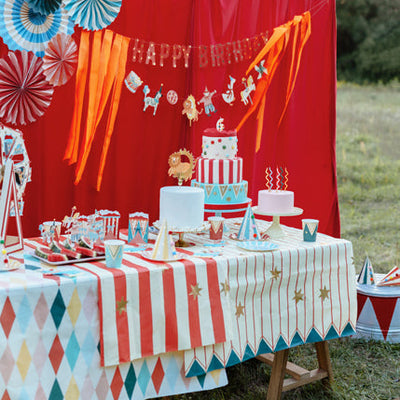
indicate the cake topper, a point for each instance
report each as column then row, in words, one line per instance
column 179, row 169
column 220, row 125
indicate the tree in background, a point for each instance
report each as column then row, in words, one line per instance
column 368, row 36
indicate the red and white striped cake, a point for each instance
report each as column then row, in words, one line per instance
column 218, row 171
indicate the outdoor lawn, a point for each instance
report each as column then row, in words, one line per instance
column 368, row 161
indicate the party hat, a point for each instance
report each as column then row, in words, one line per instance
column 248, row 230
column 164, row 249
column 390, row 279
column 366, row 276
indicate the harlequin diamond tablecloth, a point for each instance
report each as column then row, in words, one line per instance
column 50, row 344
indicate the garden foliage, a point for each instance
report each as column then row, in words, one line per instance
column 368, row 40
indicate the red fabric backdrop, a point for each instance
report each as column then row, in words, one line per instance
column 137, row 165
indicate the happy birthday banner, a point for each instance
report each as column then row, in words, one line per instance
column 215, row 55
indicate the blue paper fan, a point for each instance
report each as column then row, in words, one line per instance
column 44, row 7
column 24, row 29
column 92, row 14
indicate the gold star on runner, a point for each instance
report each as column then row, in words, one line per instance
column 275, row 273
column 239, row 310
column 121, row 305
column 225, row 287
column 195, row 291
column 324, row 293
column 298, row 296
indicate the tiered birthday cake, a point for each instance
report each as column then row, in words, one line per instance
column 220, row 172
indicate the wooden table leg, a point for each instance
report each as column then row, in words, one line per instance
column 277, row 375
column 324, row 361
column 300, row 376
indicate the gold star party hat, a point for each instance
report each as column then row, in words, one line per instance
column 164, row 249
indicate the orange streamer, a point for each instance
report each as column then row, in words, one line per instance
column 71, row 151
column 291, row 36
column 114, row 107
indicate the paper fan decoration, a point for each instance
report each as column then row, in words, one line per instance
column 92, row 14
column 24, row 29
column 366, row 276
column 24, row 91
column 44, row 7
column 60, row 59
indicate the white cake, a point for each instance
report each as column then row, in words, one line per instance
column 275, row 201
column 182, row 207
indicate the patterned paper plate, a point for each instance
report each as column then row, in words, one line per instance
column 147, row 256
column 255, row 245
column 12, row 266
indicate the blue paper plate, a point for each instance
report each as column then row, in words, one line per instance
column 255, row 245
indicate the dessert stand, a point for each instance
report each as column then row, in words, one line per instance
column 275, row 231
column 181, row 231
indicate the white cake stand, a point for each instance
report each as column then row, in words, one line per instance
column 181, row 231
column 275, row 231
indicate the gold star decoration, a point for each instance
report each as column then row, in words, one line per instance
column 298, row 296
column 324, row 293
column 275, row 273
column 121, row 305
column 225, row 287
column 239, row 310
column 195, row 291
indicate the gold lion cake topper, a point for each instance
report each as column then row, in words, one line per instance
column 181, row 169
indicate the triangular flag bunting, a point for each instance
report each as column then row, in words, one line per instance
column 209, row 189
column 223, row 189
column 366, row 276
column 236, row 189
column 8, row 199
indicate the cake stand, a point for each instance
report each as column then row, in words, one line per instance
column 181, row 231
column 275, row 231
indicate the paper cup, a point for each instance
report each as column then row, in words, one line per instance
column 216, row 227
column 310, row 228
column 114, row 252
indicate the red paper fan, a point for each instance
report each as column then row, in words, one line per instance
column 60, row 59
column 24, row 91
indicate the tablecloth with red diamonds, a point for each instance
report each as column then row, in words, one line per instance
column 49, row 343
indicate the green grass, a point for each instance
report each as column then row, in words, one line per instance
column 368, row 161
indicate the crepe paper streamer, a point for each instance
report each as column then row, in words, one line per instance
column 60, row 59
column 110, row 59
column 366, row 276
column 21, row 28
column 288, row 38
column 96, row 79
column 71, row 152
column 92, row 14
column 114, row 108
column 44, row 7
column 24, row 92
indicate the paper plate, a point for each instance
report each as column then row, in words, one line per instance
column 147, row 256
column 12, row 266
column 254, row 245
